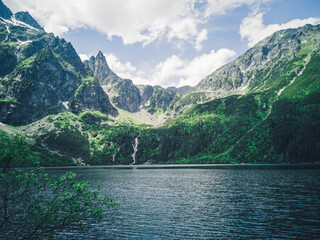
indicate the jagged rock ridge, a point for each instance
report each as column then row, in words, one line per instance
column 245, row 73
column 127, row 96
column 5, row 12
column 40, row 72
column 101, row 70
column 28, row 19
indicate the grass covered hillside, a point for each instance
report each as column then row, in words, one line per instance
column 264, row 107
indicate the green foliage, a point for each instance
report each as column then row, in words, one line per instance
column 3, row 32
column 9, row 101
column 16, row 153
column 35, row 205
column 86, row 82
column 93, row 118
column 231, row 130
column 113, row 140
column 290, row 134
column 258, row 127
column 27, row 63
column 308, row 82
column 8, row 59
column 66, row 137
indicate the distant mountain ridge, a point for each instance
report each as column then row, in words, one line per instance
column 124, row 94
column 245, row 74
column 253, row 109
column 181, row 90
column 39, row 71
column 100, row 68
column 264, row 107
column 5, row 12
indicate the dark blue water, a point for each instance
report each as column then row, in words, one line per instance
column 193, row 203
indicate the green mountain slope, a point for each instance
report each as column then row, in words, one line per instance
column 275, row 120
column 261, row 66
column 130, row 97
column 40, row 73
column 264, row 107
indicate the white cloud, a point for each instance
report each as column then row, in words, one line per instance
column 203, row 35
column 124, row 70
column 141, row 21
column 84, row 56
column 253, row 29
column 134, row 21
column 191, row 72
column 173, row 71
column 183, row 29
column 220, row 7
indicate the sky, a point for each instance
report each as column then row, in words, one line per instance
column 167, row 42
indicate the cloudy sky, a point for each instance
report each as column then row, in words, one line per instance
column 167, row 42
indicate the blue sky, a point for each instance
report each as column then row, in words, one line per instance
column 166, row 42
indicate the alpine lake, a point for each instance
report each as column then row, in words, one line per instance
column 203, row 202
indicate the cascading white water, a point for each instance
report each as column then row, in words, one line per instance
column 114, row 155
column 135, row 149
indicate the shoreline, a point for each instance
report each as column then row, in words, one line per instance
column 267, row 166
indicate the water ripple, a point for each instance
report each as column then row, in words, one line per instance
column 206, row 204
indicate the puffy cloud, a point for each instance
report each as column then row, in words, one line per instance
column 220, row 7
column 178, row 72
column 141, row 21
column 253, row 29
column 84, row 56
column 124, row 70
column 173, row 71
column 134, row 21
column 203, row 35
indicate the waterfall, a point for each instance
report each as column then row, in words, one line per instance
column 135, row 149
column 114, row 155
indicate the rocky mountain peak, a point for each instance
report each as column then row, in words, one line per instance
column 101, row 56
column 5, row 11
column 101, row 63
column 250, row 71
column 101, row 70
column 28, row 19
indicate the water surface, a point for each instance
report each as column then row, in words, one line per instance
column 202, row 203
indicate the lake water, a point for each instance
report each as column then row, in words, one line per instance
column 205, row 203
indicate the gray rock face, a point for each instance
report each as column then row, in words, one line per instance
column 90, row 96
column 26, row 18
column 99, row 66
column 67, row 54
column 161, row 98
column 36, row 88
column 181, row 90
column 241, row 73
column 146, row 93
column 39, row 72
column 8, row 60
column 127, row 96
column 4, row 11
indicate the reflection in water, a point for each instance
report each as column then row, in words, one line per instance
column 205, row 204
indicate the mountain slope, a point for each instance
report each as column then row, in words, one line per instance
column 100, row 68
column 129, row 97
column 274, row 117
column 255, row 70
column 264, row 107
column 5, row 12
column 39, row 72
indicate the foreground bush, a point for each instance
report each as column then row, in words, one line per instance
column 35, row 205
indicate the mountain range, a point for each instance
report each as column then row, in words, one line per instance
column 264, row 107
